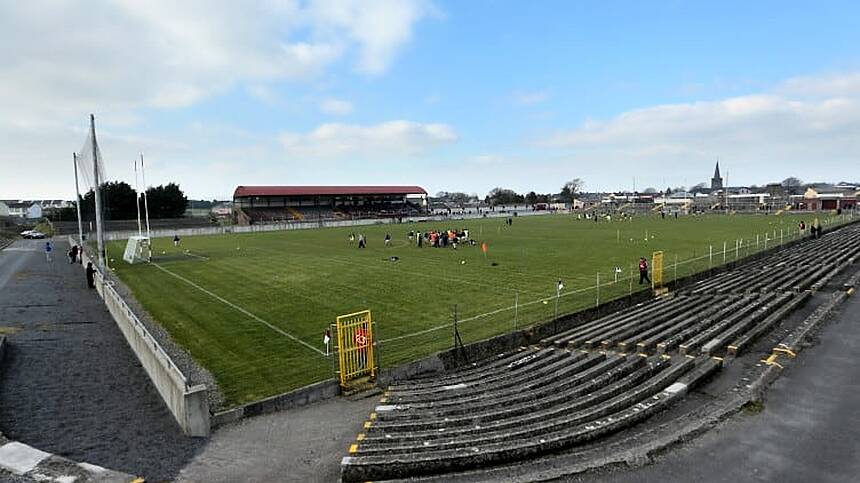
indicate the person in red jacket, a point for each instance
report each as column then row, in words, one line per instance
column 643, row 271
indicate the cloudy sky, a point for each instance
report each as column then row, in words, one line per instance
column 450, row 95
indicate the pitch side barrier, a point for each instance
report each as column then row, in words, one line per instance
column 188, row 403
column 307, row 225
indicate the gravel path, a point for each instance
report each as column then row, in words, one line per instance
column 70, row 385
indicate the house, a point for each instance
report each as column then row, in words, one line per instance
column 25, row 209
column 812, row 200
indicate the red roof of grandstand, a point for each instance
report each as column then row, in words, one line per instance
column 243, row 191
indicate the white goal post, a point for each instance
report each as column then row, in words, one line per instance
column 137, row 250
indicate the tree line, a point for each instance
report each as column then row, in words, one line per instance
column 505, row 196
column 118, row 202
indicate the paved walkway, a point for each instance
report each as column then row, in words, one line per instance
column 304, row 444
column 808, row 430
column 69, row 384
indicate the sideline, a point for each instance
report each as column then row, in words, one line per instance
column 240, row 309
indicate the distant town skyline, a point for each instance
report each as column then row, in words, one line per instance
column 452, row 96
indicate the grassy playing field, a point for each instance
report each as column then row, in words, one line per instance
column 252, row 308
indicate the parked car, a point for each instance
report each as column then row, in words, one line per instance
column 32, row 234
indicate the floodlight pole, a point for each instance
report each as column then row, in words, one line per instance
column 100, row 236
column 78, row 201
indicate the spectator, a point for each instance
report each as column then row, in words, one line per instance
column 91, row 275
column 643, row 271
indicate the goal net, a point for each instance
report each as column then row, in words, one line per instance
column 137, row 250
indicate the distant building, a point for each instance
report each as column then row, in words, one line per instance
column 717, row 180
column 814, row 201
column 25, row 209
column 223, row 209
column 4, row 210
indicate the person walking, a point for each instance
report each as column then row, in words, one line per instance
column 49, row 247
column 91, row 275
column 74, row 253
column 643, row 271
column 387, row 240
column 361, row 241
column 176, row 240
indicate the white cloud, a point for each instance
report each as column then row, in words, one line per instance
column 336, row 107
column 74, row 58
column 393, row 138
column 122, row 58
column 806, row 126
column 530, row 98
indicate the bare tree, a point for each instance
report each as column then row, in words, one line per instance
column 792, row 185
column 571, row 189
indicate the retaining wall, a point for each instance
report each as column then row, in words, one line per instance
column 188, row 404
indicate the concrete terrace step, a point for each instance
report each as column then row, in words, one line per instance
column 469, row 372
column 574, row 375
column 613, row 383
column 398, row 418
column 500, row 379
column 557, row 436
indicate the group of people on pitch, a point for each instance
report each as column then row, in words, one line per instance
column 451, row 237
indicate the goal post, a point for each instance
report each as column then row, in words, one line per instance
column 136, row 250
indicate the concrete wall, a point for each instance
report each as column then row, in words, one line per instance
column 188, row 404
column 293, row 399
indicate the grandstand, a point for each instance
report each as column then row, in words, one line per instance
column 258, row 204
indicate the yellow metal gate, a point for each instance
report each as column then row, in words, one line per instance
column 657, row 270
column 355, row 347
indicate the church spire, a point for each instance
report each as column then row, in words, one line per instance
column 717, row 180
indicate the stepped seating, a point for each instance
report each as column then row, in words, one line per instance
column 597, row 378
column 636, row 388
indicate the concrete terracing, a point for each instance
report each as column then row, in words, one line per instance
column 583, row 385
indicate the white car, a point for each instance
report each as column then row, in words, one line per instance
column 26, row 233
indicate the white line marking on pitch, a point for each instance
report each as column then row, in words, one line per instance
column 240, row 309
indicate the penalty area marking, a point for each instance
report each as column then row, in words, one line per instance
column 239, row 309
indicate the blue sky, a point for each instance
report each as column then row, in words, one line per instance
column 458, row 95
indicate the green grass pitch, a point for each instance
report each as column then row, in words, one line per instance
column 240, row 303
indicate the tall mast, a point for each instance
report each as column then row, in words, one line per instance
column 137, row 200
column 146, row 206
column 78, row 200
column 100, row 236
